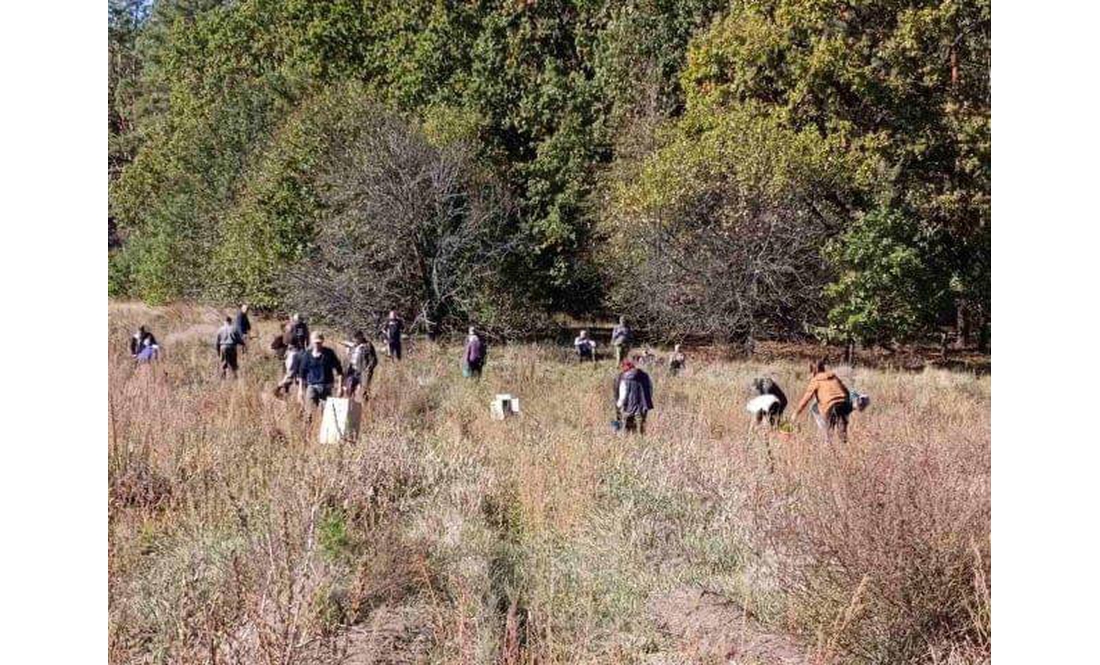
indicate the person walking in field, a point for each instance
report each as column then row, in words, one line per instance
column 362, row 360
column 227, row 342
column 391, row 332
column 676, row 361
column 474, row 355
column 241, row 322
column 291, row 358
column 298, row 331
column 633, row 397
column 316, row 369
column 621, row 338
column 585, row 346
column 833, row 400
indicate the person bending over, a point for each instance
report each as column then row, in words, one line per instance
column 832, row 399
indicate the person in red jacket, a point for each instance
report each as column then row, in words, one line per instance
column 833, row 400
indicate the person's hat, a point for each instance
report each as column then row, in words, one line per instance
column 316, row 337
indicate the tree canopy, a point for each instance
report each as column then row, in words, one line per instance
column 617, row 132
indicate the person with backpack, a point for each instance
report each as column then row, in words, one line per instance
column 474, row 355
column 317, row 366
column 362, row 360
column 833, row 400
column 621, row 338
column 391, row 332
column 227, row 341
column 633, row 397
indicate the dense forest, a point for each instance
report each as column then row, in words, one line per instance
column 736, row 170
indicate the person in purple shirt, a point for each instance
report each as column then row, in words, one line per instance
column 473, row 358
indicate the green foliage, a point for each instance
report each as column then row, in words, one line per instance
column 906, row 83
column 221, row 113
column 333, row 534
column 888, row 286
column 719, row 230
column 272, row 221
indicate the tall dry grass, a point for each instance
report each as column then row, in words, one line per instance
column 445, row 536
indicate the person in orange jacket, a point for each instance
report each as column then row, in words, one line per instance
column 833, row 400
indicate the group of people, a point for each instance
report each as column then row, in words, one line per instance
column 312, row 368
column 831, row 402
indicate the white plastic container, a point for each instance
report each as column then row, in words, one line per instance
column 340, row 420
column 503, row 406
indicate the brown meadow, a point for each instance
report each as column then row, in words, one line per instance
column 444, row 536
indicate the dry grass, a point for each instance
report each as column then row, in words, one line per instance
column 444, row 536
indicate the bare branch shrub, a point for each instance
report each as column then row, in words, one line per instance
column 412, row 227
column 718, row 233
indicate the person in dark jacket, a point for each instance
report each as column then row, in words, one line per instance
column 473, row 357
column 633, row 397
column 227, row 342
column 766, row 386
column 391, row 332
column 241, row 323
column 621, row 339
column 362, row 360
column 141, row 340
column 316, row 367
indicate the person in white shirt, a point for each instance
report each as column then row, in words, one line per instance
column 585, row 346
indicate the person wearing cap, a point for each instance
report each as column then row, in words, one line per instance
column 227, row 341
column 473, row 357
column 833, row 400
column 585, row 346
column 316, row 367
column 362, row 360
column 633, row 397
column 391, row 331
column 621, row 338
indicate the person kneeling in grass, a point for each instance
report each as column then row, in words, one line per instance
column 832, row 399
column 316, row 366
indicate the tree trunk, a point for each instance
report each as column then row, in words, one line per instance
column 962, row 325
